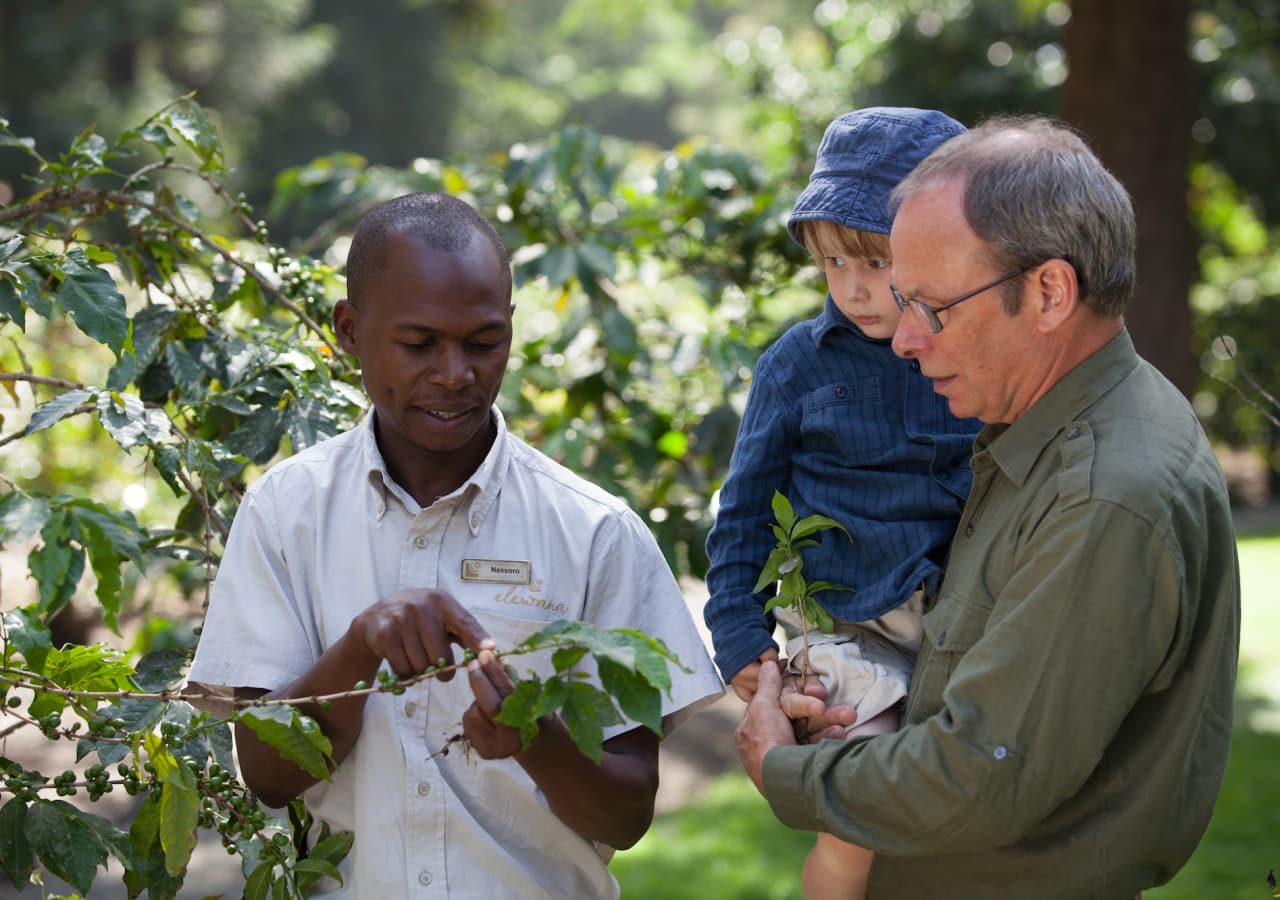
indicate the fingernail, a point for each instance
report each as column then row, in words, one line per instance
column 488, row 644
column 473, row 666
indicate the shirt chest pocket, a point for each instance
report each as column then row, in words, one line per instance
column 951, row 628
column 846, row 421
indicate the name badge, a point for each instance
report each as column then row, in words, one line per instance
column 498, row 571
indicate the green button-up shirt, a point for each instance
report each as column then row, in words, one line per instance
column 1069, row 717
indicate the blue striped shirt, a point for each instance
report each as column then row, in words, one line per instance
column 846, row 429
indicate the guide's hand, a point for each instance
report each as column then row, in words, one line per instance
column 415, row 629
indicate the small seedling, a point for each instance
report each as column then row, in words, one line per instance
column 785, row 566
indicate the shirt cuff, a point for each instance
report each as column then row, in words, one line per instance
column 784, row 786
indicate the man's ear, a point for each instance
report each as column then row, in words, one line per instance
column 1055, row 293
column 344, row 325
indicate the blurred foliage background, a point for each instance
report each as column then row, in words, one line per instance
column 572, row 117
column 638, row 159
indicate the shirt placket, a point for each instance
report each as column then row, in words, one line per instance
column 425, row 792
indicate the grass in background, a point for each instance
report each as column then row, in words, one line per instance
column 726, row 844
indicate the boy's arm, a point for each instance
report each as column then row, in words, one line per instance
column 740, row 540
column 611, row 803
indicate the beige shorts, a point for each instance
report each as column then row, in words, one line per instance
column 866, row 665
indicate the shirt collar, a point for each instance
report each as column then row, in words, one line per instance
column 830, row 319
column 1016, row 447
column 480, row 491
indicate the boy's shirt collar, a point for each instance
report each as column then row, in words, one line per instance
column 830, row 319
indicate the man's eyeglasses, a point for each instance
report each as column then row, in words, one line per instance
column 930, row 313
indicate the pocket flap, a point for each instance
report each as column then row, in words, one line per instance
column 955, row 623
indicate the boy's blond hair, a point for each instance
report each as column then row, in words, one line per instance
column 822, row 237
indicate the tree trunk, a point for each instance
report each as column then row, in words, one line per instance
column 1129, row 93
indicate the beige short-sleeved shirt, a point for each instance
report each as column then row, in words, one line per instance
column 327, row 532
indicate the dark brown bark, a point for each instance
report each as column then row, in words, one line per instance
column 1129, row 92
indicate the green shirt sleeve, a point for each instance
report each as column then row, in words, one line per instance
column 1032, row 685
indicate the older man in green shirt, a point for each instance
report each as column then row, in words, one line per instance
column 1069, row 718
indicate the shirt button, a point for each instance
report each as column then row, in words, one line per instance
column 420, row 542
column 1000, row 752
column 410, row 708
column 968, row 531
column 1073, row 432
column 915, row 365
column 423, row 790
column 424, row 877
column 840, row 392
column 475, row 521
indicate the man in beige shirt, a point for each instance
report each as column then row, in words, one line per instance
column 430, row 525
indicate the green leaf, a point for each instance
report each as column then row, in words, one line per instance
column 640, row 701
column 333, row 848
column 192, row 126
column 551, row 697
column 160, row 670
column 769, row 574
column 130, row 422
column 8, row 248
column 80, row 668
column 26, row 145
column 816, row 587
column 21, row 516
column 294, row 736
column 145, row 830
column 783, row 514
column 567, row 657
column 586, row 712
column 137, row 715
column 150, row 133
column 16, row 856
column 519, row 709
column 185, row 369
column 810, row 524
column 56, row 565
column 220, row 746
column 818, row 616
column 66, row 845
column 11, row 304
column 57, row 409
column 258, row 885
column 29, row 636
column 93, row 300
column 179, row 805
column 106, row 566
column 311, row 870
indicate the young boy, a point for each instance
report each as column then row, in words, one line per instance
column 844, row 428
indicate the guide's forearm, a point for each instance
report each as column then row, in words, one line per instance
column 275, row 780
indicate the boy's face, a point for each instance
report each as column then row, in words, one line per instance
column 859, row 284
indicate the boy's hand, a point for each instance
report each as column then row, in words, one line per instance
column 747, row 681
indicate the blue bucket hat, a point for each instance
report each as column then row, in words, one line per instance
column 862, row 157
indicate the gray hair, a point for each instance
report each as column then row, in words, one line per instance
column 1035, row 191
column 439, row 221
